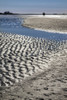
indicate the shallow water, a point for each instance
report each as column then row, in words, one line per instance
column 12, row 24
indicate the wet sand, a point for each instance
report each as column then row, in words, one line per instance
column 22, row 56
column 50, row 24
column 32, row 68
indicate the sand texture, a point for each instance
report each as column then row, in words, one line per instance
column 22, row 56
column 48, row 85
column 32, row 68
column 47, row 24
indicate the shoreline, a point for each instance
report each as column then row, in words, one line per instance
column 47, row 24
column 51, row 31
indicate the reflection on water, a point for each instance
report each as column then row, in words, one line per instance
column 12, row 24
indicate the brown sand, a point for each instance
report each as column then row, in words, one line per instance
column 47, row 24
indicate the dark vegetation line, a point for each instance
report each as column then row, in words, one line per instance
column 43, row 13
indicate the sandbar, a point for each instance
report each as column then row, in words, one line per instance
column 56, row 24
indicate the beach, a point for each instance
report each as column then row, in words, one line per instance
column 33, row 49
column 49, row 23
column 32, row 68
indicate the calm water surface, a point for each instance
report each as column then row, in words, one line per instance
column 12, row 24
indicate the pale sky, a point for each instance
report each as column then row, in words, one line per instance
column 34, row 6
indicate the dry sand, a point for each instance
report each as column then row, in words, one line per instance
column 56, row 24
column 32, row 68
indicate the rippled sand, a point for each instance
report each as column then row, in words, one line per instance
column 32, row 68
column 22, row 56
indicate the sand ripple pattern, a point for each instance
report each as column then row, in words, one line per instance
column 22, row 56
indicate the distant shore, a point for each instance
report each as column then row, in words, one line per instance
column 57, row 23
